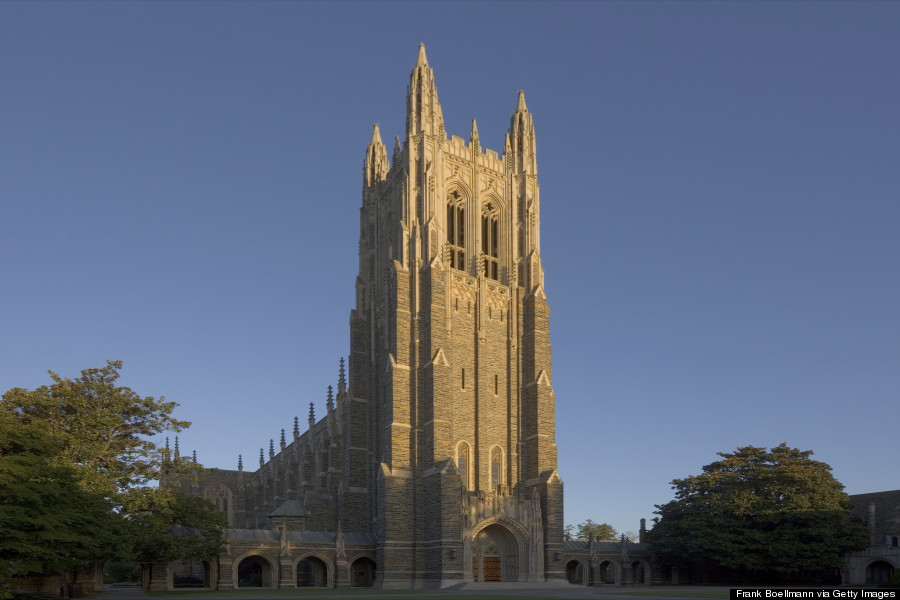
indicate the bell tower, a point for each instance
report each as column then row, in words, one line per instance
column 450, row 393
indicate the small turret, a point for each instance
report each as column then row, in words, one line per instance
column 423, row 111
column 376, row 166
column 521, row 133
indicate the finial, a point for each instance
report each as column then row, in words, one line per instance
column 240, row 463
column 296, row 428
column 342, row 380
column 282, row 440
column 312, row 413
column 194, row 456
column 520, row 105
column 395, row 159
column 177, row 453
column 376, row 135
column 473, row 138
column 262, row 460
column 330, row 398
column 422, row 61
column 271, row 448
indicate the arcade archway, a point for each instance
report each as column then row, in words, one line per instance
column 312, row 572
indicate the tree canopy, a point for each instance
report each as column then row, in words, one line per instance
column 102, row 430
column 49, row 522
column 592, row 532
column 759, row 512
column 74, row 460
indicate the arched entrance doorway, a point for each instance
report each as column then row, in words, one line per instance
column 879, row 572
column 312, row 572
column 254, row 571
column 575, row 572
column 362, row 572
column 637, row 572
column 495, row 555
column 606, row 572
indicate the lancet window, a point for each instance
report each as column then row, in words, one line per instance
column 490, row 240
column 462, row 463
column 456, row 230
column 496, row 467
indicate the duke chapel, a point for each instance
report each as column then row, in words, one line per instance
column 435, row 462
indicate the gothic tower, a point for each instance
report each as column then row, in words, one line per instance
column 450, row 450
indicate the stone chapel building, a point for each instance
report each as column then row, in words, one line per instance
column 435, row 462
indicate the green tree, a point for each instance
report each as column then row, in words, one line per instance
column 594, row 532
column 758, row 513
column 73, row 459
column 102, row 429
column 49, row 523
column 153, row 513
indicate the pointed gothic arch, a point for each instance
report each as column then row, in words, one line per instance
column 314, row 570
column 497, row 467
column 499, row 551
column 464, row 464
column 222, row 498
column 491, row 238
column 457, row 201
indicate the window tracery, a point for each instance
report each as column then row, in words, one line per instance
column 456, row 229
column 490, row 240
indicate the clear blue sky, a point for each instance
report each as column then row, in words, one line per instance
column 180, row 185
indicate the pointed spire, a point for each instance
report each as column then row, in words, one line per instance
column 521, row 133
column 398, row 152
column 177, row 453
column 473, row 138
column 262, row 460
column 240, row 463
column 520, row 105
column 422, row 61
column 312, row 415
column 282, row 440
column 330, row 398
column 194, row 456
column 271, row 448
column 376, row 165
column 423, row 111
column 296, row 428
column 342, row 380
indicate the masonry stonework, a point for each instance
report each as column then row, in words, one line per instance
column 435, row 462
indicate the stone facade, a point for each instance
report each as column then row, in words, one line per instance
column 880, row 512
column 435, row 462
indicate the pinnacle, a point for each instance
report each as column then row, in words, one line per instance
column 376, row 135
column 422, row 61
column 520, row 105
column 474, row 130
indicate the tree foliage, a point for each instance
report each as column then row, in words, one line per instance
column 595, row 532
column 759, row 511
column 153, row 513
column 48, row 521
column 74, row 456
column 102, row 429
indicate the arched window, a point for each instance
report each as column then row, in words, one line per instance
column 462, row 463
column 490, row 240
column 496, row 467
column 456, row 230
